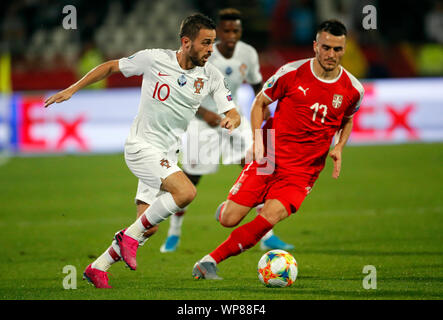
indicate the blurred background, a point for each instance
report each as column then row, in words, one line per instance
column 400, row 63
column 408, row 41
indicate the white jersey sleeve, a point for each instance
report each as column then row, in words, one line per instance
column 254, row 76
column 361, row 91
column 137, row 64
column 220, row 92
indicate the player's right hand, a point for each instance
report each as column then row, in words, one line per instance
column 58, row 97
column 336, row 157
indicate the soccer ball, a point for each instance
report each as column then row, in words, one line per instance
column 277, row 268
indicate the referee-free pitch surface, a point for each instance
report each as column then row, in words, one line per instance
column 385, row 211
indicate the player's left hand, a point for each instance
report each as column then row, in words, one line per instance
column 335, row 154
column 227, row 123
column 231, row 120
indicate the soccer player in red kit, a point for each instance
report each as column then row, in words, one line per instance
column 317, row 99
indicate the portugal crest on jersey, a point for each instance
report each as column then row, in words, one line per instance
column 198, row 85
column 337, row 100
column 165, row 163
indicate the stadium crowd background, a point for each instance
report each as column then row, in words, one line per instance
column 37, row 53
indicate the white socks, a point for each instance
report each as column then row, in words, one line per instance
column 208, row 258
column 269, row 234
column 175, row 223
column 108, row 258
column 159, row 210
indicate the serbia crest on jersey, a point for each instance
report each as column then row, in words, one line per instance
column 309, row 112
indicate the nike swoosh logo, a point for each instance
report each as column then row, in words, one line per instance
column 162, row 74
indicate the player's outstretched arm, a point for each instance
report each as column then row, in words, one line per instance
column 98, row 73
column 231, row 120
column 336, row 152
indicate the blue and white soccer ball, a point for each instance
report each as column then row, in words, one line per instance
column 277, row 268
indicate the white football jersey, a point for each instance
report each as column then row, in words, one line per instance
column 170, row 97
column 242, row 67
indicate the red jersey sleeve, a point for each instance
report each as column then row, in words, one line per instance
column 277, row 85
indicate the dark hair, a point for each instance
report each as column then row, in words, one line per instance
column 334, row 27
column 191, row 25
column 229, row 14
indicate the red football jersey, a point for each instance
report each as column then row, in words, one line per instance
column 308, row 114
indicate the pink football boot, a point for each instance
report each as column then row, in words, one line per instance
column 128, row 249
column 97, row 277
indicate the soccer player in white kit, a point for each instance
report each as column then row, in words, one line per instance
column 174, row 85
column 204, row 142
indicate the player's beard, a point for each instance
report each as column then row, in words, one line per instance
column 195, row 59
column 327, row 67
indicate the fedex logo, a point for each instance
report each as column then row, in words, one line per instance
column 398, row 120
column 379, row 120
column 34, row 129
column 91, row 121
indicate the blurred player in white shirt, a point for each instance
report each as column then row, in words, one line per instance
column 204, row 141
column 174, row 85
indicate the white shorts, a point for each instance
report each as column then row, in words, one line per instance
column 203, row 145
column 150, row 166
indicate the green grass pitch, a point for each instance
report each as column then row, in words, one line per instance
column 386, row 210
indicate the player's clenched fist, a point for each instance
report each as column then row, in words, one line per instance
column 58, row 97
column 231, row 121
column 227, row 123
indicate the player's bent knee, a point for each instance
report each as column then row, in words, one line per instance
column 272, row 217
column 232, row 214
column 229, row 221
column 181, row 188
column 191, row 193
column 274, row 214
column 185, row 196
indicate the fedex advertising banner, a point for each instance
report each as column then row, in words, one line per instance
column 393, row 111
column 91, row 121
column 397, row 111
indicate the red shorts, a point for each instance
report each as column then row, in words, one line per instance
column 252, row 188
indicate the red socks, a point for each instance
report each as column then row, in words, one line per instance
column 241, row 239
